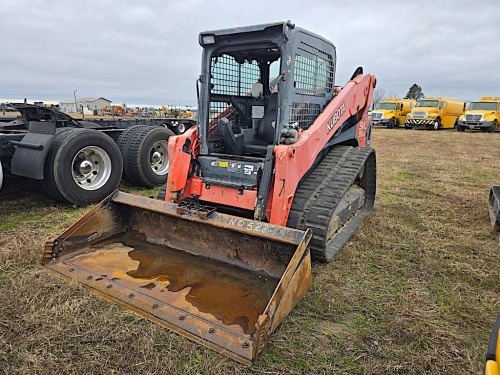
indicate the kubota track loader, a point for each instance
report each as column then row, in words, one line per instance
column 278, row 165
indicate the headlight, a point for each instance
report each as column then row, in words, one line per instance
column 208, row 39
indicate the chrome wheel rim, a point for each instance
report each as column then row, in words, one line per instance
column 181, row 128
column 91, row 168
column 158, row 158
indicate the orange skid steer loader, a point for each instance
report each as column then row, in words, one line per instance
column 278, row 168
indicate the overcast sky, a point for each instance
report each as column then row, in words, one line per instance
column 147, row 52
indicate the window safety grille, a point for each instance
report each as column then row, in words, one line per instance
column 314, row 77
column 231, row 78
column 314, row 71
column 304, row 114
column 218, row 110
column 228, row 77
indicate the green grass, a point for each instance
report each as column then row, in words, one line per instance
column 415, row 291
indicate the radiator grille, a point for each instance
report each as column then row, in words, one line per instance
column 419, row 114
column 473, row 117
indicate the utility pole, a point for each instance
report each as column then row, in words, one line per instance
column 76, row 107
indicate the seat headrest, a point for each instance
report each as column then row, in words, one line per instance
column 257, row 90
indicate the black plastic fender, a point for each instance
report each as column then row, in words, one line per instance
column 31, row 151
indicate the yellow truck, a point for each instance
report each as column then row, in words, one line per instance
column 483, row 114
column 391, row 112
column 435, row 113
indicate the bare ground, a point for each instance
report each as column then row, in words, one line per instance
column 416, row 291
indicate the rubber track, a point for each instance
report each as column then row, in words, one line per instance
column 319, row 194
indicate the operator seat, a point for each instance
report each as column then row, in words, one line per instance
column 232, row 137
column 267, row 125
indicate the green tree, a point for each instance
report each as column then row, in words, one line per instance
column 415, row 92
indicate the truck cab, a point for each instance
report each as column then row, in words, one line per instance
column 435, row 113
column 483, row 114
column 391, row 112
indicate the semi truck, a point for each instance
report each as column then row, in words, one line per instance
column 82, row 161
column 483, row 115
column 391, row 112
column 435, row 113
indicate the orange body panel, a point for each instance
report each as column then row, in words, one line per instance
column 291, row 161
column 220, row 194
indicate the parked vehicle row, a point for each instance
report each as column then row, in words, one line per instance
column 439, row 113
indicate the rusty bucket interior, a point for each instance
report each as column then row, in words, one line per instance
column 220, row 280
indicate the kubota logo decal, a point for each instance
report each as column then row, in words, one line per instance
column 335, row 118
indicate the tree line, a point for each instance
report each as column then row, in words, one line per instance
column 414, row 92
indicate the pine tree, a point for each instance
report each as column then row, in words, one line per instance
column 415, row 92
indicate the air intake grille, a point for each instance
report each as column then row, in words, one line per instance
column 473, row 117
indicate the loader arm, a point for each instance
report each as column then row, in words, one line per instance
column 294, row 161
column 348, row 109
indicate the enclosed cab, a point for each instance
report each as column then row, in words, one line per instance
column 435, row 113
column 392, row 112
column 483, row 114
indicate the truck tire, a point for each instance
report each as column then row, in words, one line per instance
column 123, row 143
column 460, row 128
column 493, row 127
column 145, row 160
column 82, row 166
column 1, row 175
column 436, row 124
column 181, row 128
column 391, row 124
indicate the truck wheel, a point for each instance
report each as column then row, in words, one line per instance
column 1, row 175
column 460, row 128
column 181, row 128
column 391, row 124
column 82, row 166
column 436, row 124
column 493, row 127
column 145, row 160
column 123, row 143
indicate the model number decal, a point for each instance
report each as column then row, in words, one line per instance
column 252, row 225
column 335, row 118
